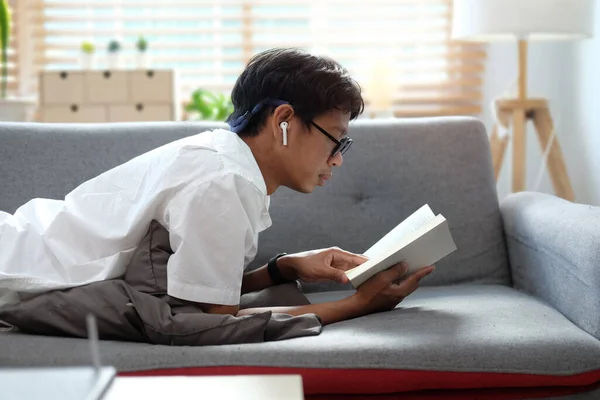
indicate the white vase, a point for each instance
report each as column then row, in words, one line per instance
column 142, row 60
column 17, row 109
column 87, row 61
column 113, row 60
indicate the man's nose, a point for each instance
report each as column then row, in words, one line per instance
column 337, row 160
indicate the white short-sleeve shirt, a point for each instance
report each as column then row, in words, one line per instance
column 206, row 190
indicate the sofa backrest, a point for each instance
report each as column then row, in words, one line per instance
column 393, row 168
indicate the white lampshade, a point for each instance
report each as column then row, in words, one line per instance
column 487, row 20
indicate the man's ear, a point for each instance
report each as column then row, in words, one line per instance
column 283, row 113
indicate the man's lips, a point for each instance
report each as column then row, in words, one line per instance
column 323, row 178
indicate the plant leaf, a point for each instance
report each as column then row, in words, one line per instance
column 5, row 22
column 4, row 41
column 209, row 105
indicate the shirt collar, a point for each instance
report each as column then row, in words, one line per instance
column 232, row 143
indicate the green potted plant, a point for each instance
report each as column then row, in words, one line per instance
column 141, row 45
column 87, row 55
column 13, row 108
column 114, row 50
column 206, row 105
column 5, row 20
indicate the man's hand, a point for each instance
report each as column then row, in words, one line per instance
column 382, row 293
column 379, row 293
column 319, row 265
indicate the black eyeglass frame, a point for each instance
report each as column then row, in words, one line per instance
column 341, row 146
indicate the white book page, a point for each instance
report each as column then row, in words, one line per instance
column 421, row 248
column 419, row 218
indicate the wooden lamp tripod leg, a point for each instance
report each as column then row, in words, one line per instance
column 498, row 148
column 498, row 144
column 520, row 111
column 519, row 140
column 555, row 162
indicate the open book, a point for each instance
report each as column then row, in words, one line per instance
column 420, row 240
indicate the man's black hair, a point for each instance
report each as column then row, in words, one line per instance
column 312, row 84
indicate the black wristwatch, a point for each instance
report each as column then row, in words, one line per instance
column 274, row 271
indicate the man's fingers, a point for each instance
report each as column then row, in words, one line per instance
column 403, row 289
column 359, row 259
column 394, row 272
column 422, row 272
column 338, row 275
column 418, row 275
column 411, row 283
column 349, row 260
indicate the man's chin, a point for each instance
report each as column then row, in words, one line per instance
column 306, row 188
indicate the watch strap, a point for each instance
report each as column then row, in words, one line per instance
column 274, row 271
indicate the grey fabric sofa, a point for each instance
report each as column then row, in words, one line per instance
column 516, row 306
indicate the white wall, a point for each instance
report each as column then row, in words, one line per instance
column 586, row 111
column 568, row 75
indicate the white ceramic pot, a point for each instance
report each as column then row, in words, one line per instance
column 17, row 110
column 87, row 61
column 114, row 61
column 142, row 60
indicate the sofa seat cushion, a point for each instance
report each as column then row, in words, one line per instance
column 463, row 336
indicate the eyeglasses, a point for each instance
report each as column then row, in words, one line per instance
column 341, row 146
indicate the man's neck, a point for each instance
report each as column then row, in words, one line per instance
column 262, row 150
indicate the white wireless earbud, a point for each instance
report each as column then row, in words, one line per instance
column 284, row 126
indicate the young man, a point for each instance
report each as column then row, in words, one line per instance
column 211, row 192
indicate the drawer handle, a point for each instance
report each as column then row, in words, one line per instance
column 107, row 74
column 139, row 107
column 74, row 108
column 64, row 75
column 150, row 73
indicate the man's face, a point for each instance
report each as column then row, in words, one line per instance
column 310, row 163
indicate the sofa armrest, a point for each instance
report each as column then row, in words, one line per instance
column 554, row 251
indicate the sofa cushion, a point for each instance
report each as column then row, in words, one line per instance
column 461, row 336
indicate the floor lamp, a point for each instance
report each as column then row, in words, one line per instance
column 523, row 21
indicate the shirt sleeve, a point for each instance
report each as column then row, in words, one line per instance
column 210, row 227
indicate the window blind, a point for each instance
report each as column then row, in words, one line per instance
column 25, row 54
column 398, row 50
column 12, row 84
